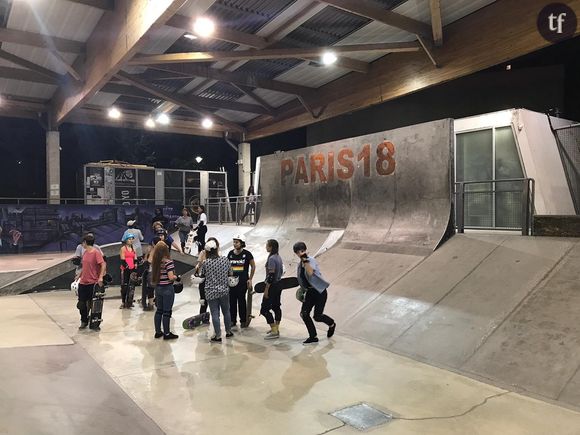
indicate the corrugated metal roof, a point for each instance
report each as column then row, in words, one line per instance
column 273, row 98
column 24, row 89
column 247, row 15
column 221, row 91
column 239, row 117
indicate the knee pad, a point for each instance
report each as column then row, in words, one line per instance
column 81, row 305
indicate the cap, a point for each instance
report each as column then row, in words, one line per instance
column 131, row 222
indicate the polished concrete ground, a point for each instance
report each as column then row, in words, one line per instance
column 121, row 380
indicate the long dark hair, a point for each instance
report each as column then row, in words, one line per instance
column 160, row 253
column 274, row 246
column 251, row 191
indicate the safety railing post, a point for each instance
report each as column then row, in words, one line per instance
column 525, row 207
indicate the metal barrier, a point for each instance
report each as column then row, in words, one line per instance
column 568, row 141
column 495, row 205
column 117, row 201
column 239, row 209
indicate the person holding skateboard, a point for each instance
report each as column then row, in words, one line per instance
column 162, row 277
column 93, row 270
column 128, row 258
column 272, row 292
column 312, row 281
column 216, row 270
column 200, row 228
column 184, row 225
column 241, row 260
column 200, row 259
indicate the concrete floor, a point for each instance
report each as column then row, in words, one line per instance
column 245, row 385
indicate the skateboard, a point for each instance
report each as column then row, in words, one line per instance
column 285, row 283
column 249, row 315
column 134, row 280
column 96, row 309
column 190, row 244
column 195, row 321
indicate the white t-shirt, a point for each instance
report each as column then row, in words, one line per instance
column 202, row 219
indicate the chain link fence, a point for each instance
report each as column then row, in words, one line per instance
column 568, row 140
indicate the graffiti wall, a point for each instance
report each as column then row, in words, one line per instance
column 59, row 228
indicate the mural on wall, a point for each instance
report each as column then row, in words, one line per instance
column 59, row 228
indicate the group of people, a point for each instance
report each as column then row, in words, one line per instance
column 222, row 280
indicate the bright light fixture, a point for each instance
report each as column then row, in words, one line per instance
column 149, row 123
column 328, row 58
column 207, row 123
column 190, row 36
column 198, row 159
column 163, row 119
column 114, row 113
column 203, row 27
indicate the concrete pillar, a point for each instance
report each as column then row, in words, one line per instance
column 53, row 167
column 244, row 168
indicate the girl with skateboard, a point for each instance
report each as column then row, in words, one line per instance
column 128, row 265
column 273, row 292
column 162, row 277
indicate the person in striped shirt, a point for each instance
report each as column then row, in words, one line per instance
column 162, row 277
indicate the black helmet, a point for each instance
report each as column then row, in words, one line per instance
column 178, row 287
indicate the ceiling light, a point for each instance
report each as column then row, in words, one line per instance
column 190, row 36
column 203, row 27
column 207, row 123
column 328, row 58
column 163, row 119
column 114, row 113
column 198, row 159
column 508, row 67
column 149, row 123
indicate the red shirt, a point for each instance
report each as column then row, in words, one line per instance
column 91, row 267
column 130, row 257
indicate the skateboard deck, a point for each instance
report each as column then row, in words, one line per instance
column 195, row 321
column 285, row 283
column 96, row 311
column 249, row 315
column 190, row 244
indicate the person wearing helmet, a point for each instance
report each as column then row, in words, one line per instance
column 216, row 270
column 243, row 267
column 128, row 265
column 138, row 235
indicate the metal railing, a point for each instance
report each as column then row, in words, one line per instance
column 116, row 201
column 495, row 205
column 233, row 209
column 568, row 141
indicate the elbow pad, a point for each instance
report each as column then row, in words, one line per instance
column 270, row 278
column 76, row 261
column 124, row 264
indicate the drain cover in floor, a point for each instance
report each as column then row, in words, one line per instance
column 362, row 416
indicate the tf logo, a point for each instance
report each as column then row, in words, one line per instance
column 557, row 22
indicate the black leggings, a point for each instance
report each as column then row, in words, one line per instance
column 202, row 307
column 250, row 206
column 125, row 280
column 200, row 238
column 238, row 300
column 315, row 300
column 272, row 303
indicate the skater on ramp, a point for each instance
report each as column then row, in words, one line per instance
column 93, row 268
column 272, row 293
column 162, row 277
column 184, row 225
column 314, row 288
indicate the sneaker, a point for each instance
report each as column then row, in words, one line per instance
column 229, row 334
column 272, row 335
column 215, row 339
column 331, row 329
column 310, row 340
column 158, row 334
column 170, row 336
column 83, row 325
column 95, row 328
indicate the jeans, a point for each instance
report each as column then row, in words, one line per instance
column 183, row 238
column 214, row 309
column 318, row 301
column 238, row 300
column 164, row 297
column 85, row 300
column 272, row 304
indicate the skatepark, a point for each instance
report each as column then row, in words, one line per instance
column 427, row 153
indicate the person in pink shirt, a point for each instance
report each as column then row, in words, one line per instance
column 93, row 270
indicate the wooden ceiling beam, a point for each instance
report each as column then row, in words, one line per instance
column 177, row 99
column 244, row 79
column 31, row 66
column 42, row 41
column 26, row 75
column 69, row 68
column 250, row 93
column 369, row 10
column 208, row 103
column 436, row 22
column 272, row 53
column 221, row 33
column 504, row 31
column 117, row 37
column 106, row 5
